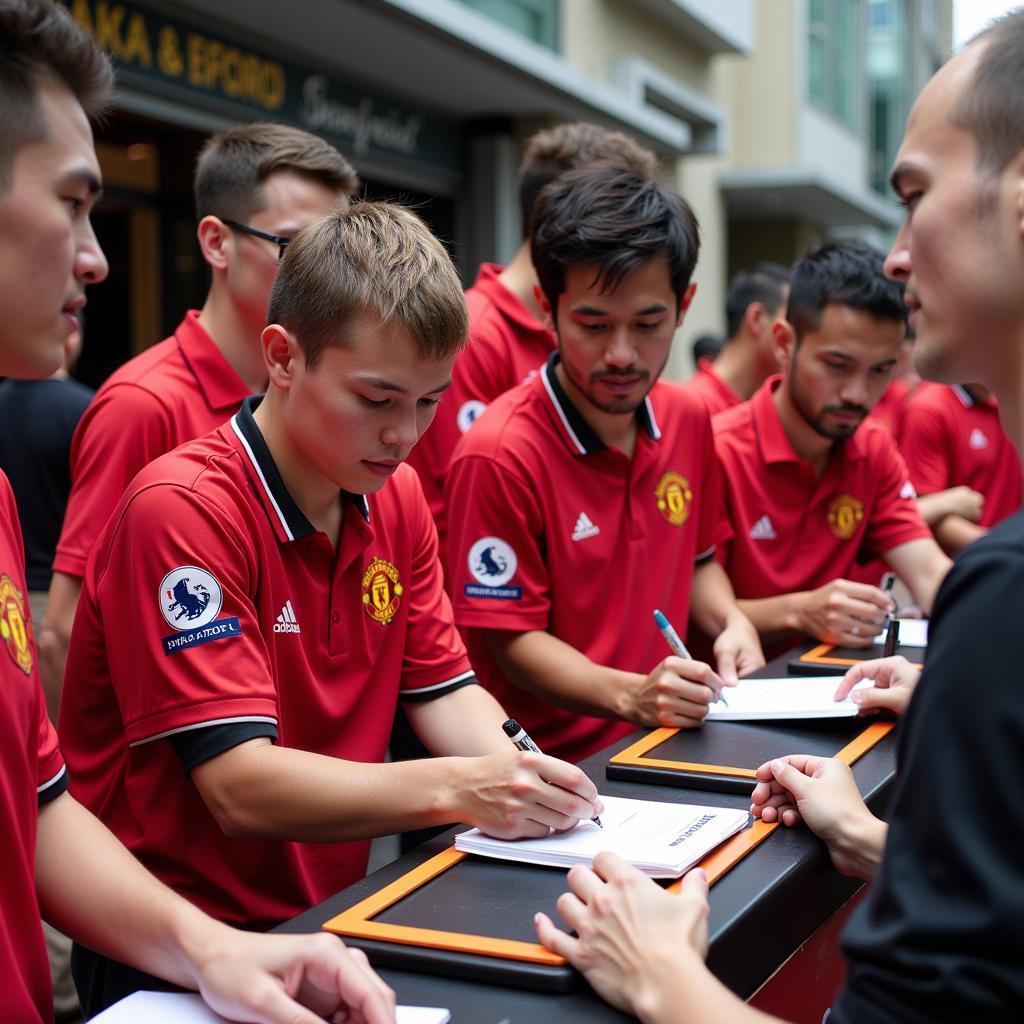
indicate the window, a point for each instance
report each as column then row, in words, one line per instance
column 887, row 63
column 835, row 78
column 534, row 19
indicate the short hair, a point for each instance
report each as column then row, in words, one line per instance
column 706, row 346
column 615, row 222
column 991, row 108
column 233, row 166
column 766, row 284
column 40, row 42
column 370, row 257
column 849, row 273
column 567, row 147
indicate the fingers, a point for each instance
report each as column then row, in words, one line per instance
column 727, row 668
column 864, row 594
column 880, row 698
column 567, row 777
column 554, row 938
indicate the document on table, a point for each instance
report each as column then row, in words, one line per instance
column 188, row 1008
column 790, row 697
column 660, row 839
column 913, row 633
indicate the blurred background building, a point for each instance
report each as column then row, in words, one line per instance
column 777, row 119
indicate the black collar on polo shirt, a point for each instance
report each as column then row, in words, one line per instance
column 292, row 519
column 579, row 430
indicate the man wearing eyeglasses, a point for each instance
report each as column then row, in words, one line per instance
column 255, row 186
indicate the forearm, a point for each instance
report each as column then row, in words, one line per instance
column 773, row 617
column 546, row 666
column 54, row 636
column 713, row 602
column 93, row 889
column 465, row 723
column 258, row 789
column 858, row 849
column 954, row 533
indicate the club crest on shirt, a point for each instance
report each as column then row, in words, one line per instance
column 844, row 515
column 13, row 626
column 492, row 562
column 674, row 498
column 382, row 593
column 190, row 600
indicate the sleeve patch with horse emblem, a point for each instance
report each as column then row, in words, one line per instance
column 190, row 599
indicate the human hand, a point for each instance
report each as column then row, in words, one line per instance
column 674, row 694
column 291, row 979
column 963, row 501
column 517, row 794
column 737, row 649
column 821, row 792
column 894, row 682
column 843, row 612
column 631, row 935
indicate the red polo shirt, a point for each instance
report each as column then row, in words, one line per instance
column 551, row 530
column 716, row 394
column 951, row 438
column 889, row 408
column 507, row 345
column 213, row 613
column 794, row 532
column 31, row 773
column 177, row 390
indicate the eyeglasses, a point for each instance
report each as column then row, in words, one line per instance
column 279, row 240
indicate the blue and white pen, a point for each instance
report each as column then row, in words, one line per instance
column 677, row 646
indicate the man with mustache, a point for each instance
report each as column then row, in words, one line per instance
column 586, row 498
column 810, row 489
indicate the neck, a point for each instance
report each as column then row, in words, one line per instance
column 520, row 279
column 236, row 337
column 808, row 444
column 311, row 491
column 616, row 430
column 739, row 368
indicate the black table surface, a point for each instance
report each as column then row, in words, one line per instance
column 762, row 910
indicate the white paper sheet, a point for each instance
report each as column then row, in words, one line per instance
column 789, row 697
column 661, row 839
column 913, row 633
column 188, row 1008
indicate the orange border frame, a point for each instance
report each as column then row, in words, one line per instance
column 633, row 755
column 819, row 656
column 357, row 921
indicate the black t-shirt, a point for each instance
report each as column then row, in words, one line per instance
column 941, row 936
column 37, row 421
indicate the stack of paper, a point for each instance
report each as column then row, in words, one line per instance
column 660, row 839
column 186, row 1008
column 789, row 697
column 913, row 633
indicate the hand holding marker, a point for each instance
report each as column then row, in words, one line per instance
column 521, row 741
column 677, row 646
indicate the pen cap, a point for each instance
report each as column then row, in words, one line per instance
column 512, row 728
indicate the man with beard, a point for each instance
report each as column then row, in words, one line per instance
column 810, row 489
column 583, row 500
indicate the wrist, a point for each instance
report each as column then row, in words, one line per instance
column 793, row 611
column 857, row 850
column 670, row 981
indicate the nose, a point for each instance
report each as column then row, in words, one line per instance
column 402, row 431
column 620, row 350
column 90, row 263
column 897, row 263
column 855, row 390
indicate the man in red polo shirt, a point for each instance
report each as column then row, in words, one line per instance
column 587, row 498
column 285, row 593
column 255, row 186
column 810, row 485
column 952, row 437
column 756, row 299
column 58, row 860
column 509, row 341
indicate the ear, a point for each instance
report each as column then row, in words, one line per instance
column 546, row 316
column 784, row 339
column 281, row 353
column 214, row 235
column 684, row 304
column 753, row 318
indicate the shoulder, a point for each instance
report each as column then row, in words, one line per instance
column 504, row 424
column 141, row 369
column 733, row 425
column 875, row 441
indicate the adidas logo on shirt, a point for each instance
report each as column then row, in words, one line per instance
column 584, row 528
column 286, row 622
column 908, row 491
column 763, row 530
column 978, row 439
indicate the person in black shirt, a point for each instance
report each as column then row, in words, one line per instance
column 941, row 937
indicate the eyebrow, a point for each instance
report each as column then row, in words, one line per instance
column 381, row 384
column 87, row 178
column 658, row 307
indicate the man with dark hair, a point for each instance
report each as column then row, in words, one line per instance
column 58, row 859
column 587, row 498
column 811, row 488
column 756, row 299
column 255, row 186
column 939, row 940
column 509, row 341
column 286, row 593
